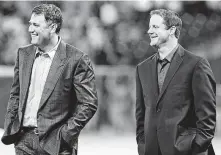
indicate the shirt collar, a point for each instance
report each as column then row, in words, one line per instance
column 170, row 55
column 51, row 52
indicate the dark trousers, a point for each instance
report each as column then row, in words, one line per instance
column 159, row 151
column 28, row 144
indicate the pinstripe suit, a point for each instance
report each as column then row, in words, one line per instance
column 68, row 101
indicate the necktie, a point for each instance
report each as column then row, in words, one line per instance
column 161, row 74
column 163, row 63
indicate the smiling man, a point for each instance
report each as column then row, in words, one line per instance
column 53, row 94
column 175, row 94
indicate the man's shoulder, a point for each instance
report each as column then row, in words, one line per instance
column 25, row 47
column 74, row 51
column 191, row 56
column 147, row 60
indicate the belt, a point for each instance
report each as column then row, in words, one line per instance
column 30, row 129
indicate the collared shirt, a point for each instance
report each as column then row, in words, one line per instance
column 163, row 66
column 39, row 75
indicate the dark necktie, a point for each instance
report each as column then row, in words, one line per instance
column 161, row 74
column 163, row 63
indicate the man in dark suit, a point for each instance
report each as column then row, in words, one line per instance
column 175, row 94
column 53, row 93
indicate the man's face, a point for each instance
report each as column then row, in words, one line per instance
column 159, row 35
column 39, row 30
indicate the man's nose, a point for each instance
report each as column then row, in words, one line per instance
column 30, row 28
column 149, row 31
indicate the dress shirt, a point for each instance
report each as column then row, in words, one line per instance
column 163, row 66
column 39, row 75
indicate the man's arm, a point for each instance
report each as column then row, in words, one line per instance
column 84, row 85
column 140, row 115
column 13, row 103
column 204, row 91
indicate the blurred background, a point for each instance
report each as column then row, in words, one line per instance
column 114, row 35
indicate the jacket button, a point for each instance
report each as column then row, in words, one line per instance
column 158, row 110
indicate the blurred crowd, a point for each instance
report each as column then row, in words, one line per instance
column 114, row 35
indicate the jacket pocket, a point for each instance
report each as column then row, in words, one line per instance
column 186, row 131
column 185, row 139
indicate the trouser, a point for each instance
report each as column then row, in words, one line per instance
column 28, row 144
column 159, row 151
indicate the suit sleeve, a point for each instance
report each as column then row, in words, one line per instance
column 140, row 114
column 204, row 91
column 84, row 85
column 13, row 103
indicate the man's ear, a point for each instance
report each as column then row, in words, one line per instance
column 172, row 30
column 53, row 28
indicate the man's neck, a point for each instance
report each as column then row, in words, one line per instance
column 165, row 50
column 51, row 44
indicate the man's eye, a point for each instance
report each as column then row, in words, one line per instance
column 154, row 26
column 36, row 25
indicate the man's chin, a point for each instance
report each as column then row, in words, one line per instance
column 152, row 44
column 34, row 43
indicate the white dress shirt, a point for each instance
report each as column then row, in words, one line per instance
column 39, row 75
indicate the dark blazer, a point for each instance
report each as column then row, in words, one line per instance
column 181, row 119
column 68, row 102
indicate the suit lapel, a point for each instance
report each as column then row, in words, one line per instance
column 154, row 82
column 29, row 57
column 54, row 72
column 175, row 64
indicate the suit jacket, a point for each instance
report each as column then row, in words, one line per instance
column 183, row 115
column 68, row 102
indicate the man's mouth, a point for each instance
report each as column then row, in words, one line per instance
column 152, row 37
column 34, row 35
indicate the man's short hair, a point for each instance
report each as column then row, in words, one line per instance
column 51, row 12
column 171, row 18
